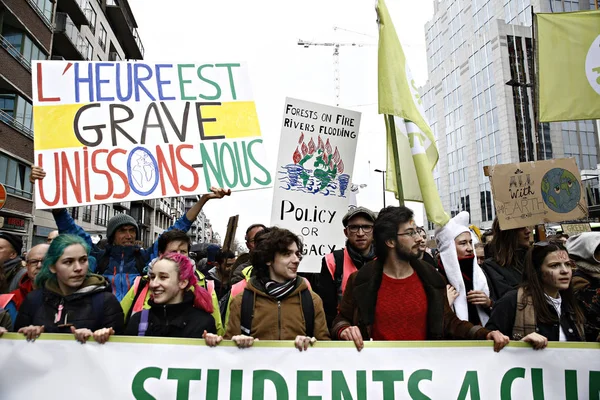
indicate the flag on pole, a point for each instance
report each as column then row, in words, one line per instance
column 568, row 65
column 410, row 173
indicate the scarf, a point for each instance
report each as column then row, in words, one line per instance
column 357, row 257
column 280, row 290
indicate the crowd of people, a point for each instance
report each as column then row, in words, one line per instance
column 385, row 284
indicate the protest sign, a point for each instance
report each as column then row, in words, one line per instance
column 537, row 192
column 57, row 367
column 121, row 131
column 314, row 173
column 575, row 229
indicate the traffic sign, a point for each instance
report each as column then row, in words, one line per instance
column 2, row 196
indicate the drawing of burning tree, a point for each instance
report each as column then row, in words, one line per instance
column 316, row 169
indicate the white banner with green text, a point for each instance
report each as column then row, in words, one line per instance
column 57, row 367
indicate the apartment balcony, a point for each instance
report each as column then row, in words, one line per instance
column 68, row 40
column 121, row 19
column 75, row 9
column 16, row 125
column 124, row 205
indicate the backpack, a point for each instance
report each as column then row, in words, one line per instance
column 37, row 300
column 308, row 309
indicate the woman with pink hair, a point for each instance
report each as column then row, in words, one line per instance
column 179, row 306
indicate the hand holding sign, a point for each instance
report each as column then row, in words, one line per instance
column 217, row 193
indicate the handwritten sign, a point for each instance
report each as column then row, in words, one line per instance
column 575, row 229
column 314, row 173
column 537, row 192
column 121, row 131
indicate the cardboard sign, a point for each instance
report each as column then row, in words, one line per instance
column 232, row 225
column 575, row 229
column 533, row 193
column 314, row 174
column 120, row 131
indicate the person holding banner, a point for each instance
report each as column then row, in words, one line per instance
column 458, row 265
column 175, row 309
column 398, row 296
column 543, row 308
column 122, row 261
column 337, row 266
column 275, row 304
column 70, row 298
column 138, row 297
column 505, row 268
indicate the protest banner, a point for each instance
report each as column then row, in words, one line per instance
column 57, row 367
column 120, row 131
column 537, row 192
column 575, row 229
column 314, row 172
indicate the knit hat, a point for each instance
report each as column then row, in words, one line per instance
column 355, row 211
column 15, row 241
column 445, row 242
column 118, row 221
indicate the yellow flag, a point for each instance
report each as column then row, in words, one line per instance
column 569, row 65
column 406, row 123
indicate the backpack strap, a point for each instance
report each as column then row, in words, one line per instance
column 143, row 326
column 247, row 312
column 308, row 309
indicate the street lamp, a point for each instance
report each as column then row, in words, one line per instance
column 383, row 184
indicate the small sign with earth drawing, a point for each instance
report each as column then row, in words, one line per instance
column 537, row 192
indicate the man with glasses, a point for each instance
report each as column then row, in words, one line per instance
column 34, row 260
column 337, row 266
column 399, row 297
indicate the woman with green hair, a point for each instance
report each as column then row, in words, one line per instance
column 70, row 299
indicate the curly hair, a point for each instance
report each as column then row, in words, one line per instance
column 268, row 243
column 55, row 251
column 187, row 270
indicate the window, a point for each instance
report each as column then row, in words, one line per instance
column 74, row 211
column 91, row 16
column 90, row 50
column 17, row 112
column 102, row 38
column 103, row 215
column 15, row 176
column 87, row 214
column 23, row 48
column 44, row 7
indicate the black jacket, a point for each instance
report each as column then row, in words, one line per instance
column 174, row 320
column 505, row 310
column 78, row 308
column 501, row 280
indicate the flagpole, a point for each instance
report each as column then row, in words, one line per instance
column 398, row 176
column 540, row 151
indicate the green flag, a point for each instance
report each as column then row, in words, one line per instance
column 569, row 65
column 406, row 126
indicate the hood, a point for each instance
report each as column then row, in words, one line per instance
column 92, row 284
column 447, row 249
column 214, row 274
column 583, row 246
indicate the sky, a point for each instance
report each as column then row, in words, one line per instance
column 265, row 34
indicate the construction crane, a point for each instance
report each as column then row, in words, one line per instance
column 336, row 60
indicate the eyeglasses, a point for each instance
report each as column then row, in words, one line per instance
column 410, row 233
column 356, row 228
column 34, row 262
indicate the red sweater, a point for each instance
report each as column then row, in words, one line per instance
column 401, row 309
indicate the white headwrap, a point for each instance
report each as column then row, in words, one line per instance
column 445, row 241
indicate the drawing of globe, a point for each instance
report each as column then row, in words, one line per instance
column 560, row 190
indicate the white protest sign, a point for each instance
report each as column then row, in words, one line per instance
column 314, row 173
column 121, row 131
